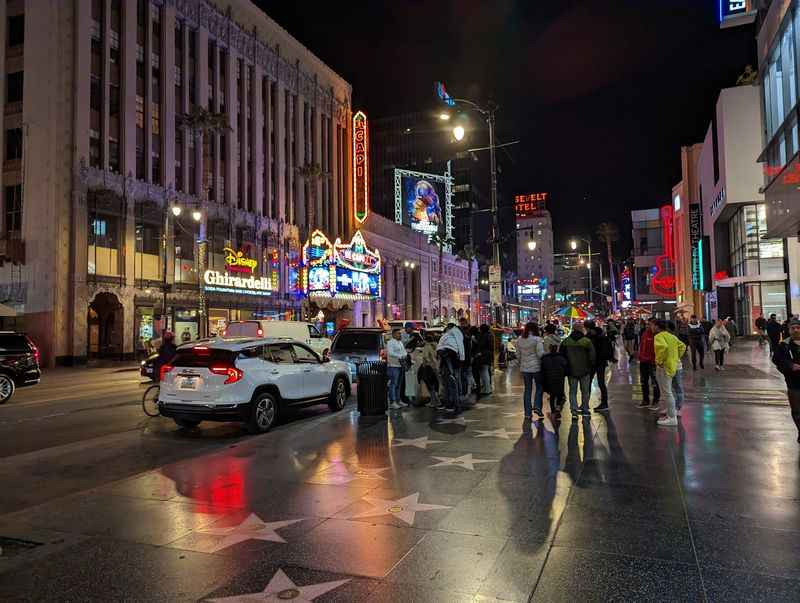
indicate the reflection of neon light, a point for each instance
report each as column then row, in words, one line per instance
column 702, row 276
column 360, row 167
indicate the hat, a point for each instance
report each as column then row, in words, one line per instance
column 794, row 322
column 408, row 325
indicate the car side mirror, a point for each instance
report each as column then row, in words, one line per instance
column 326, row 359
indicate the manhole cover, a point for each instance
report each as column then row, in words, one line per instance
column 11, row 547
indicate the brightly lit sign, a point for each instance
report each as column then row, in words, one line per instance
column 529, row 289
column 526, row 206
column 663, row 281
column 360, row 167
column 218, row 282
column 423, row 202
column 627, row 288
column 237, row 261
column 342, row 270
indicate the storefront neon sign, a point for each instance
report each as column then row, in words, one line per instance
column 360, row 167
column 237, row 261
column 663, row 281
column 218, row 282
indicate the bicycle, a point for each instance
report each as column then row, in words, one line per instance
column 150, row 404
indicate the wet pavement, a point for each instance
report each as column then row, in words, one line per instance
column 486, row 507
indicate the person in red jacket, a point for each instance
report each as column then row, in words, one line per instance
column 647, row 366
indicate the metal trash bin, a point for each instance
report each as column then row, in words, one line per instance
column 373, row 388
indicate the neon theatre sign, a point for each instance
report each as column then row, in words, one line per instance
column 360, row 167
column 341, row 270
column 663, row 281
column 239, row 276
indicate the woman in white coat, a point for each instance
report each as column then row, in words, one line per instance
column 719, row 339
column 530, row 349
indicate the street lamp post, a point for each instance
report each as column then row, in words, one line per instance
column 176, row 211
column 574, row 245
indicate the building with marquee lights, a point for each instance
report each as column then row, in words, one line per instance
column 125, row 212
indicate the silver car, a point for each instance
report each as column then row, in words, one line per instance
column 355, row 345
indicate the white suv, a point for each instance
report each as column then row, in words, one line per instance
column 248, row 380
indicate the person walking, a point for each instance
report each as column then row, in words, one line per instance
column 697, row 342
column 647, row 367
column 551, row 337
column 451, row 353
column 484, row 358
column 787, row 359
column 580, row 355
column 773, row 329
column 719, row 340
column 530, row 349
column 604, row 354
column 166, row 352
column 668, row 351
column 761, row 327
column 629, row 338
column 677, row 380
column 395, row 355
column 554, row 372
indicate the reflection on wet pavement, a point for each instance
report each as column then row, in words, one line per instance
column 421, row 507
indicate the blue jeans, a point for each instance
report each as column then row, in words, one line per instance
column 585, row 383
column 530, row 379
column 394, row 383
column 677, row 389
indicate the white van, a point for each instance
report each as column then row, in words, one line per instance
column 290, row 329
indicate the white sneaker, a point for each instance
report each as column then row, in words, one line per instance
column 717, row 368
column 394, row 406
column 667, row 422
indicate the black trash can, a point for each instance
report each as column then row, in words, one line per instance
column 373, row 388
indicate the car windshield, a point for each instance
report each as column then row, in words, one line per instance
column 203, row 356
column 12, row 342
column 242, row 329
column 357, row 341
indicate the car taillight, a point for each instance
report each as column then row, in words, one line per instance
column 225, row 333
column 234, row 374
column 165, row 368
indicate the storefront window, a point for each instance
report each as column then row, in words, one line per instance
column 752, row 255
column 103, row 244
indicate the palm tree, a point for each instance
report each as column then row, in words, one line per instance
column 441, row 241
column 608, row 233
column 312, row 174
column 469, row 254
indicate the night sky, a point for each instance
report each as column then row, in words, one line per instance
column 601, row 93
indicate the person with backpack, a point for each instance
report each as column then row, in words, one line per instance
column 604, row 354
column 554, row 371
column 697, row 342
column 580, row 355
column 647, row 367
column 451, row 354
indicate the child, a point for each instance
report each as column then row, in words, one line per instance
column 554, row 371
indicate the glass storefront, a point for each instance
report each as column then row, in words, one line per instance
column 752, row 255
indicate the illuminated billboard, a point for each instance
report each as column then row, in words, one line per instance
column 423, row 202
column 529, row 290
column 342, row 270
column 527, row 206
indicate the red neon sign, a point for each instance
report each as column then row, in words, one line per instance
column 663, row 281
column 360, row 167
column 530, row 204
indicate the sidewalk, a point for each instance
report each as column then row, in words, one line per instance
column 480, row 507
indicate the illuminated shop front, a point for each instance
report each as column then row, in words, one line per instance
column 339, row 279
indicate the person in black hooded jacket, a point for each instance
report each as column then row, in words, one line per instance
column 604, row 353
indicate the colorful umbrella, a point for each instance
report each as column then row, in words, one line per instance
column 573, row 313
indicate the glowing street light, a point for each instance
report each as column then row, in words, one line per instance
column 444, row 116
column 176, row 210
column 532, row 245
column 573, row 244
column 197, row 215
column 458, row 133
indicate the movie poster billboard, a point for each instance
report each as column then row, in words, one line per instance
column 423, row 202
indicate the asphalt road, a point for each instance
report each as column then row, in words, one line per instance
column 82, row 428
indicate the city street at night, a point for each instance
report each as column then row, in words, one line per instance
column 102, row 503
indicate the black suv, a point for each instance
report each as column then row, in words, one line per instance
column 19, row 363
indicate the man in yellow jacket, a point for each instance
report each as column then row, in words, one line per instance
column 669, row 350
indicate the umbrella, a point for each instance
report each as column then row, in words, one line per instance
column 573, row 313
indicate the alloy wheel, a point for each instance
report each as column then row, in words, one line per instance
column 265, row 412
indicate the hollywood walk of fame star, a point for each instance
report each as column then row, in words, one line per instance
column 466, row 461
column 456, row 421
column 282, row 588
column 404, row 509
column 343, row 474
column 252, row 528
column 497, row 433
column 422, row 443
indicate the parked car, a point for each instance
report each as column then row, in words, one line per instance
column 419, row 325
column 147, row 366
column 359, row 344
column 19, row 363
column 248, row 380
column 292, row 329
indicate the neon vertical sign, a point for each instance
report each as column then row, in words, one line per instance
column 360, row 167
column 663, row 281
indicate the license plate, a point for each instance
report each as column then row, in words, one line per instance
column 189, row 383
